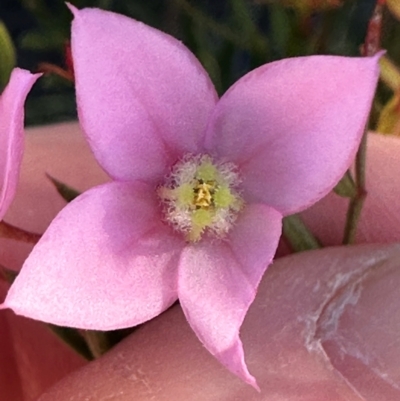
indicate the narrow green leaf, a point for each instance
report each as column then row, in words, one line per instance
column 67, row 193
column 357, row 202
column 222, row 30
column 74, row 339
column 299, row 237
column 97, row 341
column 246, row 25
column 206, row 54
column 8, row 275
column 346, row 187
column 280, row 28
column 7, row 58
column 242, row 16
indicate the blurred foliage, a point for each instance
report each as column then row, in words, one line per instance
column 8, row 57
column 230, row 37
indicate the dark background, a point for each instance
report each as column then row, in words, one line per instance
column 230, row 37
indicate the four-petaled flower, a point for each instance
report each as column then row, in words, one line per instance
column 199, row 186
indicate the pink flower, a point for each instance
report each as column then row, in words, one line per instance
column 199, row 186
column 12, row 133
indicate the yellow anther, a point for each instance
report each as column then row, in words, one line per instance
column 203, row 195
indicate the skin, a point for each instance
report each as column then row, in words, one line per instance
column 297, row 347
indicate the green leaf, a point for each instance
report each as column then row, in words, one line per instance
column 68, row 193
column 299, row 237
column 97, row 341
column 247, row 27
column 389, row 118
column 8, row 58
column 38, row 40
column 280, row 28
column 346, row 187
column 389, row 73
column 74, row 339
column 206, row 55
column 347, row 28
column 8, row 275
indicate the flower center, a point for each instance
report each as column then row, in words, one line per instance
column 200, row 195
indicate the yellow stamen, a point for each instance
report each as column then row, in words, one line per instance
column 201, row 219
column 184, row 195
column 206, row 171
column 223, row 197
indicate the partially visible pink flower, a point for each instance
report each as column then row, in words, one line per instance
column 12, row 133
column 200, row 184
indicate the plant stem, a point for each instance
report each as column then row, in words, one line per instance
column 298, row 236
column 357, row 202
column 371, row 47
column 18, row 234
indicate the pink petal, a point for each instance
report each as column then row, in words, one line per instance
column 12, row 133
column 143, row 98
column 61, row 151
column 106, row 262
column 218, row 282
column 293, row 126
